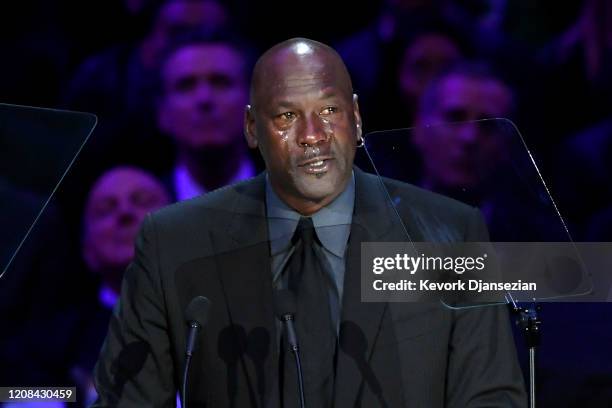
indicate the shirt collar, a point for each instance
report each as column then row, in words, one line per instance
column 332, row 222
column 187, row 187
column 107, row 296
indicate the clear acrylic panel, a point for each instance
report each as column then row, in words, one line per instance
column 37, row 148
column 485, row 164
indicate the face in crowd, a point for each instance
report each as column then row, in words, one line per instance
column 461, row 156
column 115, row 208
column 205, row 91
column 305, row 121
column 176, row 17
column 424, row 58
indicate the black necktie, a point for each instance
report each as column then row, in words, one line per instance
column 316, row 335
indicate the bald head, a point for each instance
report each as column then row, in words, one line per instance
column 294, row 62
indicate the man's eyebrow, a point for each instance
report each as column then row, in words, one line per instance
column 283, row 104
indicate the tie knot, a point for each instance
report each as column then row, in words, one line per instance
column 305, row 231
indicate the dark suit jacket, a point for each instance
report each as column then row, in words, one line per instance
column 390, row 354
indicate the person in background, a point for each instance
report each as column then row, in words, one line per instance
column 116, row 206
column 424, row 57
column 203, row 91
column 464, row 93
column 118, row 85
column 117, row 203
column 470, row 167
column 482, row 163
column 583, row 165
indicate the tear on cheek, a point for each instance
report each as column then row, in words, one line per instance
column 328, row 127
column 283, row 135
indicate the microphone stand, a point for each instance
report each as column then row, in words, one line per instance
column 191, row 337
column 287, row 320
column 529, row 322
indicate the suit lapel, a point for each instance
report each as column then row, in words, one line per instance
column 242, row 261
column 362, row 367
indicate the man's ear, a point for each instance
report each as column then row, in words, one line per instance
column 250, row 133
column 357, row 114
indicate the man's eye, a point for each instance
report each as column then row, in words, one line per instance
column 103, row 208
column 287, row 115
column 329, row 110
column 185, row 84
column 221, row 81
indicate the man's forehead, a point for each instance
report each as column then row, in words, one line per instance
column 197, row 57
column 122, row 180
column 319, row 82
column 287, row 75
column 460, row 84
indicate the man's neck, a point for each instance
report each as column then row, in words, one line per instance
column 303, row 205
column 213, row 167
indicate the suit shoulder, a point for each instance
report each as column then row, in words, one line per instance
column 433, row 217
column 209, row 209
column 424, row 199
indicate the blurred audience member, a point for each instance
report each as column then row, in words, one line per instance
column 485, row 164
column 373, row 54
column 425, row 57
column 201, row 107
column 578, row 86
column 482, row 162
column 462, row 156
column 582, row 179
column 119, row 84
column 116, row 205
column 115, row 208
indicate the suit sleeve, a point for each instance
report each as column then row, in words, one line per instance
column 483, row 369
column 135, row 368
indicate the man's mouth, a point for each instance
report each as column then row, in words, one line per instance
column 317, row 165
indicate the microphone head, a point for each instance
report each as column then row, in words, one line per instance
column 197, row 310
column 284, row 303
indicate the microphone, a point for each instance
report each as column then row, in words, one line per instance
column 284, row 308
column 196, row 317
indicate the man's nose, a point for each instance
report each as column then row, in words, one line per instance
column 204, row 95
column 127, row 213
column 468, row 133
column 314, row 131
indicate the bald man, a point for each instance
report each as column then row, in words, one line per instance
column 239, row 244
column 116, row 205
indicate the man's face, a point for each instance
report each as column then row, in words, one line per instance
column 177, row 17
column 115, row 208
column 204, row 96
column 305, row 122
column 462, row 155
column 423, row 59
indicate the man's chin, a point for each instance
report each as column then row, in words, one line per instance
column 319, row 187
